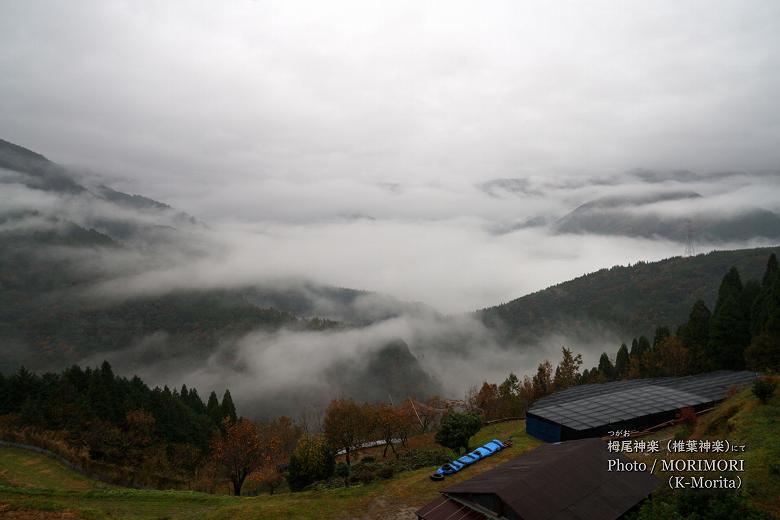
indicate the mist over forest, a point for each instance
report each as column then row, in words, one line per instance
column 379, row 203
column 288, row 312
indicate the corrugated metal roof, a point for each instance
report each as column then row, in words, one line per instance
column 587, row 406
column 444, row 508
column 568, row 480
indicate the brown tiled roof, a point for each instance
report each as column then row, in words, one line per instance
column 444, row 508
column 561, row 481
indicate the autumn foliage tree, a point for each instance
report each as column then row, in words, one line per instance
column 672, row 358
column 238, row 452
column 279, row 439
column 425, row 416
column 347, row 425
column 392, row 423
column 486, row 401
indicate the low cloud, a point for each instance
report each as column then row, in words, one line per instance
column 291, row 372
column 452, row 263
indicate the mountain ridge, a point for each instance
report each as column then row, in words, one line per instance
column 632, row 300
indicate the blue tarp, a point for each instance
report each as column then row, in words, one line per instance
column 458, row 464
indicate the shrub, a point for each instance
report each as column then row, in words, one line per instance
column 688, row 416
column 386, row 471
column 421, row 458
column 311, row 461
column 456, row 429
column 364, row 473
column 683, row 433
column 763, row 389
column 342, row 471
column 721, row 419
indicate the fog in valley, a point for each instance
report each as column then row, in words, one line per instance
column 391, row 168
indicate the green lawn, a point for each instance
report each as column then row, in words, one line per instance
column 27, row 469
column 31, row 481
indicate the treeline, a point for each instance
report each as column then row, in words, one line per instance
column 123, row 431
column 513, row 397
column 268, row 454
column 741, row 332
column 95, row 415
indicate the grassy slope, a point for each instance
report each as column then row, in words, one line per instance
column 744, row 419
column 741, row 419
column 27, row 469
column 51, row 486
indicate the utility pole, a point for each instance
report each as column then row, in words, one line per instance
column 417, row 414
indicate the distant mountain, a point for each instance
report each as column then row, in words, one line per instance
column 349, row 306
column 629, row 216
column 36, row 170
column 49, row 257
column 132, row 216
column 514, row 186
column 629, row 300
column 391, row 370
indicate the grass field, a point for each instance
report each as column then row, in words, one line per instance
column 36, row 487
column 26, row 469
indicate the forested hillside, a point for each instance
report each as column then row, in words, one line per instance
column 112, row 426
column 632, row 300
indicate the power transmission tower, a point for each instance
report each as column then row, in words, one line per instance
column 690, row 250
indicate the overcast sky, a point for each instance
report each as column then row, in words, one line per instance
column 293, row 115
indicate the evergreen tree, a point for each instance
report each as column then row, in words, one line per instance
column 568, row 370
column 228, row 409
column 695, row 334
column 772, row 325
column 5, row 391
column 621, row 362
column 752, row 292
column 97, row 410
column 638, row 357
column 729, row 326
column 761, row 306
column 763, row 354
column 771, row 271
column 543, row 380
column 213, row 409
column 643, row 345
column 102, row 401
column 606, row 370
column 195, row 402
column 661, row 333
